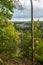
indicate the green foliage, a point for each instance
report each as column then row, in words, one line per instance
column 16, row 43
column 8, row 34
column 8, row 39
column 1, row 62
column 25, row 46
column 6, row 9
column 38, row 41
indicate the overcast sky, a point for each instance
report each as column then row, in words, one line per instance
column 38, row 3
column 26, row 13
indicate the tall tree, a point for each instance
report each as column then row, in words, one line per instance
column 32, row 31
column 7, row 31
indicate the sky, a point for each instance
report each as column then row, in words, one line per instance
column 25, row 14
column 37, row 3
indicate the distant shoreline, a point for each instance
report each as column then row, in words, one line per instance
column 26, row 19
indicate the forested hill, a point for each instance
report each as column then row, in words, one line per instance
column 25, row 25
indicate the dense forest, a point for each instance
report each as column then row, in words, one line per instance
column 15, row 43
column 15, row 38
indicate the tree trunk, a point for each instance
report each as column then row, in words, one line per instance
column 32, row 32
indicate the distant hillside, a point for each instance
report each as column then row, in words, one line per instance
column 24, row 25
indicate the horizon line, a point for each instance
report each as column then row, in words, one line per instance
column 26, row 19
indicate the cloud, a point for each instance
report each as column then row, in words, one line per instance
column 26, row 13
column 38, row 3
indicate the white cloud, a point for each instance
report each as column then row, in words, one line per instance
column 41, row 4
column 25, row 14
column 38, row 3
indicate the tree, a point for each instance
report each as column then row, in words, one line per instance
column 38, row 41
column 25, row 45
column 32, row 32
column 8, row 33
column 6, row 9
column 8, row 40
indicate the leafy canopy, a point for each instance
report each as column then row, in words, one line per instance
column 6, row 9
